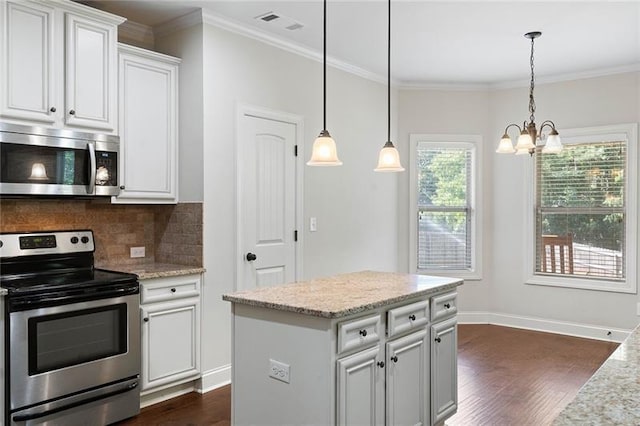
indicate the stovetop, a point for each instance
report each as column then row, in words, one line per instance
column 62, row 281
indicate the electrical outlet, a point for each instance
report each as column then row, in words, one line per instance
column 136, row 252
column 279, row 370
column 638, row 309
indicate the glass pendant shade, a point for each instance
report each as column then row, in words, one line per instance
column 524, row 141
column 389, row 159
column 553, row 145
column 506, row 145
column 38, row 172
column 324, row 151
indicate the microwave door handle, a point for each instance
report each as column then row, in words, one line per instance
column 91, row 189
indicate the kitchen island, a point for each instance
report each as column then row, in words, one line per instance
column 360, row 348
column 612, row 394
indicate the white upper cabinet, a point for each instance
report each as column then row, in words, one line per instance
column 148, row 121
column 58, row 63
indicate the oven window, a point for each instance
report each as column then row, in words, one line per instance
column 72, row 338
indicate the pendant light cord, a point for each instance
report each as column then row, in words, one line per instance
column 324, row 69
column 389, row 77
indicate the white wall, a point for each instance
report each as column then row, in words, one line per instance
column 355, row 207
column 581, row 103
column 447, row 112
column 187, row 45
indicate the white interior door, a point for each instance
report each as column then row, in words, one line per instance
column 267, row 185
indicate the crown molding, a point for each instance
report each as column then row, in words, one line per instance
column 201, row 16
column 286, row 45
column 559, row 78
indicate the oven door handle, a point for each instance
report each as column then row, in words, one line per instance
column 32, row 416
column 92, row 168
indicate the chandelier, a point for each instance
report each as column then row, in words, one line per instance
column 530, row 136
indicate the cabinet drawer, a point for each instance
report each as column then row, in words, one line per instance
column 444, row 306
column 407, row 317
column 358, row 333
column 164, row 289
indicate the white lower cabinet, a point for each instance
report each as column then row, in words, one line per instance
column 387, row 366
column 170, row 309
column 444, row 365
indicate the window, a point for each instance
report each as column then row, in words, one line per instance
column 584, row 211
column 443, row 196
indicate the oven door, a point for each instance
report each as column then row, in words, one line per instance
column 60, row 350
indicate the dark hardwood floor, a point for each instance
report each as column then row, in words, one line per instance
column 506, row 376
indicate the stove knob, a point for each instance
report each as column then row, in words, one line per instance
column 74, row 240
column 84, row 239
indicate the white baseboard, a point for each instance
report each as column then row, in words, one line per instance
column 152, row 398
column 214, row 379
column 587, row 331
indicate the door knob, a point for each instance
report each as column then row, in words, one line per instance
column 251, row 257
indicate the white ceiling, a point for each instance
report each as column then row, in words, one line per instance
column 439, row 42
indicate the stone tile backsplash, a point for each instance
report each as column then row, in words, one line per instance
column 169, row 233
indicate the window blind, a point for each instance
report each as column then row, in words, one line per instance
column 581, row 211
column 444, row 208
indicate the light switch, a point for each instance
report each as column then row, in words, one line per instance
column 313, row 224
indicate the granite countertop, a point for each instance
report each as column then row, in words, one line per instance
column 345, row 294
column 612, row 394
column 153, row 270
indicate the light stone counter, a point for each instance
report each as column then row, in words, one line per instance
column 153, row 270
column 612, row 394
column 345, row 294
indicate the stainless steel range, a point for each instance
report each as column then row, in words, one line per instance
column 72, row 332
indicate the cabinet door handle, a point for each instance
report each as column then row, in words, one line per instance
column 437, row 339
column 251, row 257
column 380, row 364
column 412, row 317
column 394, row 359
column 447, row 305
column 72, row 112
column 173, row 290
column 53, row 109
column 363, row 333
column 122, row 187
column 146, row 319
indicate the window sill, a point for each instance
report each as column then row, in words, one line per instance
column 465, row 275
column 627, row 286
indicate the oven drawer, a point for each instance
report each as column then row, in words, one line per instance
column 171, row 288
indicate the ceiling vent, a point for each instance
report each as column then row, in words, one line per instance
column 279, row 21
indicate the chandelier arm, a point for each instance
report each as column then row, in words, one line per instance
column 512, row 125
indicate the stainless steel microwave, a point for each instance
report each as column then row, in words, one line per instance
column 57, row 162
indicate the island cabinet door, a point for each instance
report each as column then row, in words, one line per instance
column 444, row 369
column 407, row 370
column 360, row 398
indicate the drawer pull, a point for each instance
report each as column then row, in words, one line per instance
column 380, row 364
column 412, row 317
column 447, row 305
column 72, row 112
column 146, row 319
column 53, row 109
column 437, row 339
column 394, row 359
column 363, row 333
column 173, row 290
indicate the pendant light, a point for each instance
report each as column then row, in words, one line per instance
column 389, row 158
column 324, row 151
column 530, row 136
